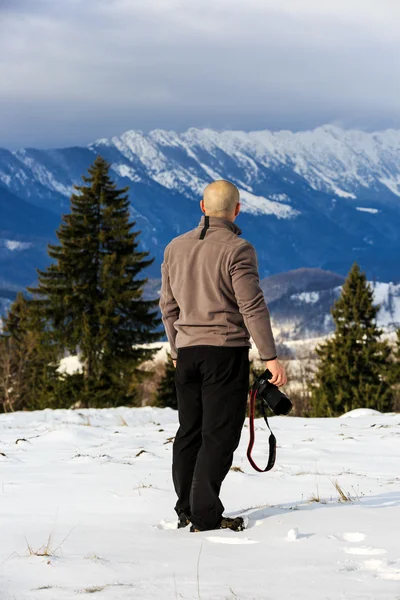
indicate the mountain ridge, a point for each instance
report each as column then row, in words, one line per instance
column 316, row 199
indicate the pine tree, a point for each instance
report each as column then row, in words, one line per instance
column 353, row 366
column 28, row 361
column 395, row 365
column 166, row 391
column 91, row 294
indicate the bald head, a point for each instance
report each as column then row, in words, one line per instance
column 220, row 199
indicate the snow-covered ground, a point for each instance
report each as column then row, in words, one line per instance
column 98, row 483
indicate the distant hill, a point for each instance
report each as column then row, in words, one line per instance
column 299, row 280
column 300, row 302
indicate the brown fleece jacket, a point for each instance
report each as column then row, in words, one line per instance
column 210, row 292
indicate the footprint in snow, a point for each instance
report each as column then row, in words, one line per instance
column 379, row 567
column 391, row 575
column 349, row 566
column 256, row 523
column 364, row 551
column 165, row 525
column 374, row 564
column 230, row 540
column 382, row 569
column 349, row 537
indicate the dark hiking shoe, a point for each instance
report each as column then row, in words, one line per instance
column 236, row 524
column 183, row 520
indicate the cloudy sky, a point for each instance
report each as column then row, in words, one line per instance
column 72, row 71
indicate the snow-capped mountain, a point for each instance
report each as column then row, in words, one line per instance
column 320, row 198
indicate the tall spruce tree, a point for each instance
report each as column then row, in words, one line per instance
column 395, row 365
column 166, row 391
column 353, row 366
column 92, row 295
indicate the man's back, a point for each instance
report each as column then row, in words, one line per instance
column 210, row 290
column 211, row 302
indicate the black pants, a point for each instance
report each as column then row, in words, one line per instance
column 212, row 385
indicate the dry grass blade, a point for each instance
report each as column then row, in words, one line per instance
column 47, row 549
column 343, row 497
column 94, row 589
column 315, row 497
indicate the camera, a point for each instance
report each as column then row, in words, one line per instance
column 271, row 395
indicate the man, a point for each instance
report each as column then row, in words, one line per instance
column 211, row 303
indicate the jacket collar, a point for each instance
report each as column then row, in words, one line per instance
column 221, row 222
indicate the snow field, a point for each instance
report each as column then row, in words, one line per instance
column 98, row 483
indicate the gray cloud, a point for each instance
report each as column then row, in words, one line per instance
column 76, row 70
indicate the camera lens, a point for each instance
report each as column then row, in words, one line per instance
column 277, row 401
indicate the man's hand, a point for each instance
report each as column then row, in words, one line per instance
column 278, row 372
column 174, row 361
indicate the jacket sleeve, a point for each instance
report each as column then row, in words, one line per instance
column 168, row 306
column 243, row 267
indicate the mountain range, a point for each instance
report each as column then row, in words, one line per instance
column 317, row 199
